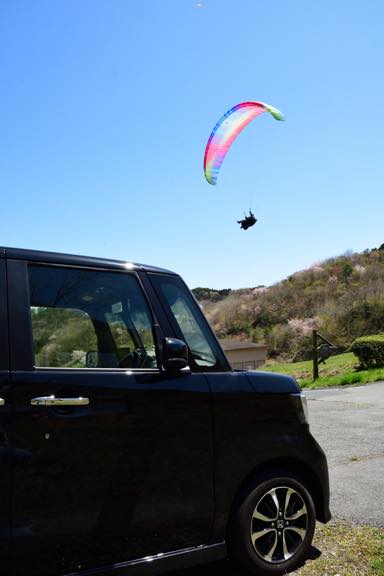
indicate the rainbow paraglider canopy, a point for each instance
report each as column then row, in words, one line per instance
column 226, row 131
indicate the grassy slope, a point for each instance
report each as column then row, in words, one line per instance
column 338, row 371
column 346, row 550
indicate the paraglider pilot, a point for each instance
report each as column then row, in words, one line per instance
column 247, row 221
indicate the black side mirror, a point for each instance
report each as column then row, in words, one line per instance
column 175, row 354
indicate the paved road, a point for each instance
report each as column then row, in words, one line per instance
column 349, row 425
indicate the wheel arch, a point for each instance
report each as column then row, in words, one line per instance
column 289, row 466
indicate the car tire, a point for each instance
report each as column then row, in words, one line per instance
column 273, row 526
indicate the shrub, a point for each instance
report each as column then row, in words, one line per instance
column 369, row 350
column 279, row 339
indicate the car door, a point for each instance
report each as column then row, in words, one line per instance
column 115, row 453
column 5, row 478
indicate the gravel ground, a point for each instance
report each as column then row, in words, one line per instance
column 349, row 425
column 339, row 549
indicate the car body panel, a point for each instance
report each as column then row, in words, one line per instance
column 253, row 429
column 111, row 481
column 162, row 563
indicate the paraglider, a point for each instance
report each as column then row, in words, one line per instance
column 247, row 221
column 226, row 131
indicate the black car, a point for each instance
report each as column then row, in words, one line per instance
column 128, row 443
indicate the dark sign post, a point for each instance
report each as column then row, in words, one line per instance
column 314, row 352
column 320, row 353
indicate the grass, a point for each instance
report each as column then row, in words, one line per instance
column 346, row 550
column 339, row 370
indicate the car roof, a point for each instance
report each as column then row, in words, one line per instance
column 76, row 260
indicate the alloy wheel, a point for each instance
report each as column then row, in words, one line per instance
column 279, row 524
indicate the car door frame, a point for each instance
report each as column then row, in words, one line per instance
column 5, row 418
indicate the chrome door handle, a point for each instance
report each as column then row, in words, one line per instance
column 53, row 401
column 2, row 401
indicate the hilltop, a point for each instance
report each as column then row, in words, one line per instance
column 342, row 297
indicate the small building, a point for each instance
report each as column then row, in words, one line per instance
column 244, row 355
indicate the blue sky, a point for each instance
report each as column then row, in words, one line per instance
column 106, row 107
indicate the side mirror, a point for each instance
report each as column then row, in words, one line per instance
column 175, row 354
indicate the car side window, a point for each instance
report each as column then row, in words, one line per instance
column 89, row 319
column 62, row 336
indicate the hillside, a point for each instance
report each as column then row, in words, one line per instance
column 342, row 297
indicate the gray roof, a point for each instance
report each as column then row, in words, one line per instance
column 228, row 344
